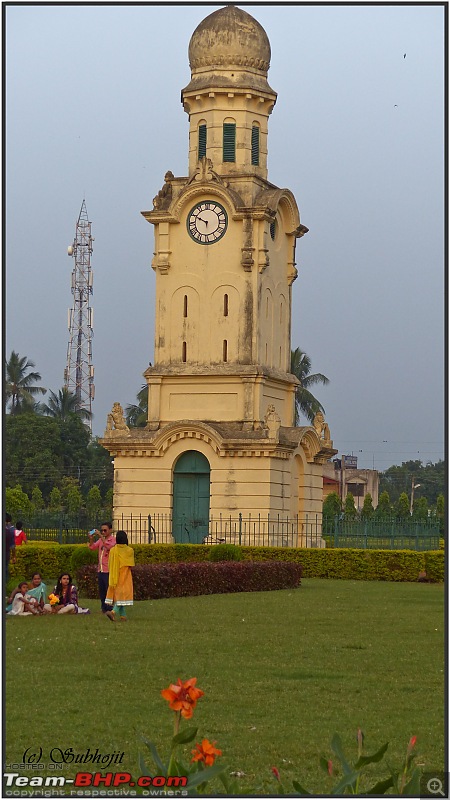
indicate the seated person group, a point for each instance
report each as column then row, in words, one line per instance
column 28, row 599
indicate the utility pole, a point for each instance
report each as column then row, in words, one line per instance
column 79, row 372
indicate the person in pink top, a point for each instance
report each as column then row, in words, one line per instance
column 103, row 544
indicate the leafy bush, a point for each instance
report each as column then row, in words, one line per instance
column 17, row 502
column 81, row 556
column 163, row 553
column 156, row 581
column 351, row 564
column 435, row 566
column 44, row 557
column 225, row 552
column 355, row 564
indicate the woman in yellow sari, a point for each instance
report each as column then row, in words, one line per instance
column 120, row 588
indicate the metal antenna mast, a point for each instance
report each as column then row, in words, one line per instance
column 79, row 372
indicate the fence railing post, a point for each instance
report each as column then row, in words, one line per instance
column 240, row 527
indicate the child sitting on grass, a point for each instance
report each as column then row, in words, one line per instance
column 23, row 605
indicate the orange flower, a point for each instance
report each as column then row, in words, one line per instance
column 206, row 752
column 276, row 773
column 54, row 599
column 183, row 696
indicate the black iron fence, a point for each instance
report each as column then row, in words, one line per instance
column 257, row 530
column 262, row 530
column 383, row 534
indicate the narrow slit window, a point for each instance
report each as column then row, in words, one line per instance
column 185, row 306
column 201, row 141
column 184, row 352
column 225, row 350
column 229, row 141
column 225, row 305
column 255, row 146
column 281, row 312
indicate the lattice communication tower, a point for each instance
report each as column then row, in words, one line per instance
column 79, row 372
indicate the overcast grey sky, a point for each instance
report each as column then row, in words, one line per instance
column 93, row 111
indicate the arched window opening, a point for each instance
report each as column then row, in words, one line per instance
column 255, row 145
column 201, row 141
column 229, row 141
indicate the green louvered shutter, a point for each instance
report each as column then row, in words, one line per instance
column 255, row 146
column 229, row 141
column 201, row 141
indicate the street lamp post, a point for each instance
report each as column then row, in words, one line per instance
column 413, row 486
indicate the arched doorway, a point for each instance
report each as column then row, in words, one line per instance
column 191, row 489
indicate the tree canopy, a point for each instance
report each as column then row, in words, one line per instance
column 62, row 405
column 398, row 479
column 305, row 402
column 20, row 388
column 136, row 415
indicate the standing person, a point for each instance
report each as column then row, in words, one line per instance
column 120, row 589
column 103, row 544
column 19, row 534
column 10, row 544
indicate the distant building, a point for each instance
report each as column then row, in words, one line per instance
column 343, row 476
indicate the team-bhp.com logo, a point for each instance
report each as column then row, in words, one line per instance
column 94, row 779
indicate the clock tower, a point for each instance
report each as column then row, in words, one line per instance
column 220, row 394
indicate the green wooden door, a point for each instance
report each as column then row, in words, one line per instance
column 191, row 498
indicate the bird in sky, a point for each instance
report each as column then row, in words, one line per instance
column 404, row 55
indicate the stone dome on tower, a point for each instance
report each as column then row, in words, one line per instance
column 229, row 47
column 229, row 38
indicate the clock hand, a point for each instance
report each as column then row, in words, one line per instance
column 203, row 220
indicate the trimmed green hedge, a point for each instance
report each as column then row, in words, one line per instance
column 435, row 565
column 356, row 564
column 50, row 561
column 370, row 565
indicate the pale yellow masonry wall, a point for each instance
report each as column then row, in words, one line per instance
column 243, row 482
column 245, row 109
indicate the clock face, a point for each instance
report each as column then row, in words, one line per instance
column 207, row 222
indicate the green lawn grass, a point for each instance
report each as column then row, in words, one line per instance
column 281, row 671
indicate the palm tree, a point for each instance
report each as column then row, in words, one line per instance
column 304, row 399
column 63, row 405
column 136, row 415
column 19, row 388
